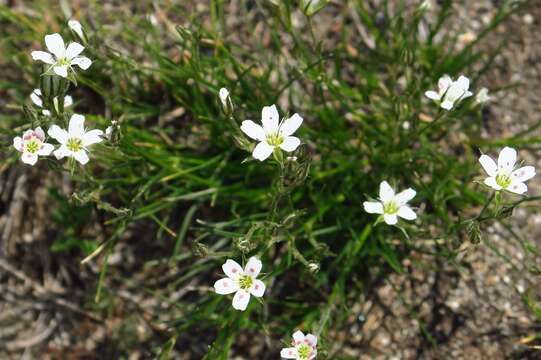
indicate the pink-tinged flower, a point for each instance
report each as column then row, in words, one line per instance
column 32, row 144
column 273, row 133
column 391, row 205
column 61, row 58
column 303, row 347
column 241, row 282
column 504, row 176
column 74, row 142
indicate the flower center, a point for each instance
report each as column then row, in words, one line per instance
column 32, row 146
column 304, row 351
column 390, row 208
column 246, row 282
column 275, row 139
column 74, row 144
column 504, row 180
column 63, row 61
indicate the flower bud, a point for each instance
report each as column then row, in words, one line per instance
column 77, row 29
column 225, row 100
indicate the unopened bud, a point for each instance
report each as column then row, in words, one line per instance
column 77, row 29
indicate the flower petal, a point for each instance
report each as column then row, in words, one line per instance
column 432, row 95
column 298, row 337
column 517, row 187
column 289, row 353
column 463, row 82
column 386, row 192
column 404, row 196
column 18, row 143
column 73, row 50
column 447, row 105
column 81, row 156
column 262, row 151
column 291, row 125
column 29, row 158
column 62, row 152
column 407, row 213
column 36, row 98
column 76, row 126
column 253, row 130
column 373, row 207
column 390, row 219
column 290, row 143
column 82, row 61
column 46, row 149
column 443, row 83
column 253, row 267
column 491, row 182
column 507, row 159
column 258, row 288
column 241, row 300
column 68, row 101
column 61, row 70
column 225, row 286
column 43, row 56
column 38, row 132
column 232, row 269
column 58, row 134
column 489, row 165
column 524, row 173
column 55, row 44
column 312, row 340
column 92, row 137
column 270, row 118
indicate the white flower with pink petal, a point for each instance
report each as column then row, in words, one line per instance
column 74, row 142
column 242, row 282
column 504, row 176
column 391, row 205
column 304, row 347
column 32, row 145
column 273, row 134
column 60, row 57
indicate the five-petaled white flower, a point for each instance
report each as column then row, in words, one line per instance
column 38, row 101
column 241, row 282
column 61, row 58
column 503, row 176
column 304, row 347
column 32, row 145
column 450, row 92
column 75, row 141
column 273, row 133
column 391, row 205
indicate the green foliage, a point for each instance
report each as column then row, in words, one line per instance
column 180, row 167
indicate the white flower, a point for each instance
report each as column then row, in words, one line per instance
column 38, row 101
column 482, row 96
column 391, row 205
column 504, row 176
column 224, row 96
column 304, row 347
column 61, row 58
column 32, row 145
column 77, row 28
column 450, row 92
column 241, row 282
column 75, row 141
column 273, row 133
